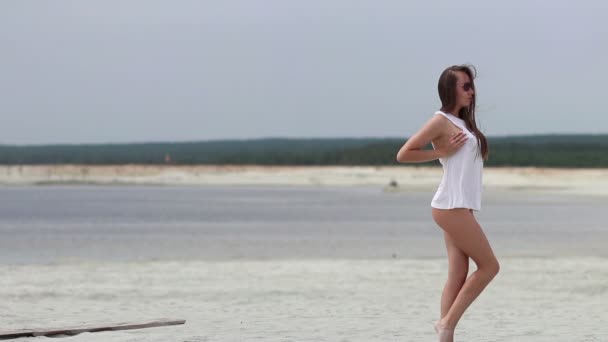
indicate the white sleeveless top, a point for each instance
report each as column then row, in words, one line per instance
column 461, row 184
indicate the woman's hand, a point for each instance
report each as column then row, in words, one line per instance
column 435, row 128
column 456, row 141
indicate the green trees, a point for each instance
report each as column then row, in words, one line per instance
column 587, row 151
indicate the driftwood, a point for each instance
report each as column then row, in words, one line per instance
column 88, row 328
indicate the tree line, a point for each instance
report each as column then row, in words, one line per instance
column 574, row 151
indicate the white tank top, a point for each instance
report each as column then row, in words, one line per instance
column 461, row 183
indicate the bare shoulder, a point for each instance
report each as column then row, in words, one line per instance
column 438, row 119
column 438, row 127
column 437, row 123
column 433, row 129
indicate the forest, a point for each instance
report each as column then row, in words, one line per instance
column 570, row 151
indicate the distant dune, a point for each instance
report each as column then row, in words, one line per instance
column 573, row 181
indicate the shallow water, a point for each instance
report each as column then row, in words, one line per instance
column 122, row 223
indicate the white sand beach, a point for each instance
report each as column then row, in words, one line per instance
column 292, row 260
column 572, row 181
column 532, row 300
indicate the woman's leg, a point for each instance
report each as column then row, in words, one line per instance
column 467, row 235
column 458, row 268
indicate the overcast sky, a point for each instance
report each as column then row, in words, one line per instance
column 137, row 71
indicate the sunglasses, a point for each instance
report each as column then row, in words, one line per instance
column 466, row 86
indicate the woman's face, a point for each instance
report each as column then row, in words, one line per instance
column 464, row 90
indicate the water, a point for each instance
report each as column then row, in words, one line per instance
column 41, row 224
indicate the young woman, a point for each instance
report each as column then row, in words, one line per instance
column 461, row 149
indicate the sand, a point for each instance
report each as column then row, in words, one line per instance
column 565, row 181
column 531, row 300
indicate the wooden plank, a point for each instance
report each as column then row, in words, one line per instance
column 88, row 328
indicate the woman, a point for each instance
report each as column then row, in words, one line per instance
column 461, row 148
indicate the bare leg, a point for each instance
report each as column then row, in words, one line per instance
column 468, row 237
column 457, row 274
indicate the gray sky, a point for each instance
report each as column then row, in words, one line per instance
column 137, row 71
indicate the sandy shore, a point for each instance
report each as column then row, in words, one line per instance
column 532, row 300
column 551, row 297
column 573, row 181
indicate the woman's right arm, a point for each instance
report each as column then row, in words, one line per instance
column 412, row 151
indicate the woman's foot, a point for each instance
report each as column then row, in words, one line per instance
column 445, row 334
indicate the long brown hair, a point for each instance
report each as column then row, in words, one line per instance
column 447, row 95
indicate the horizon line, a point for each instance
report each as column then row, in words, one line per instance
column 277, row 138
